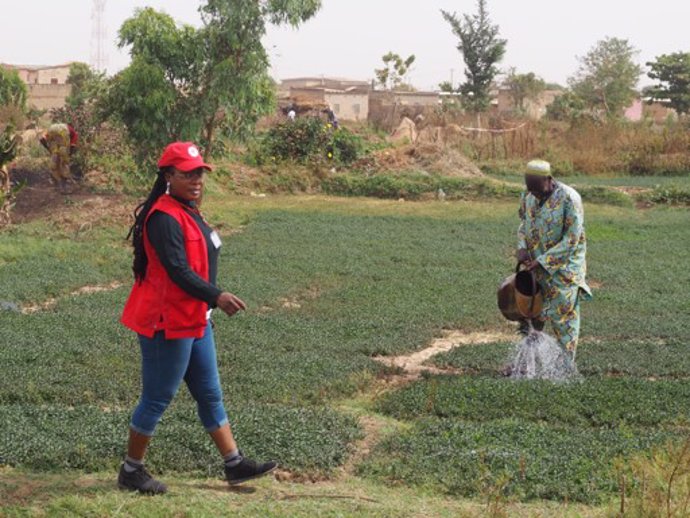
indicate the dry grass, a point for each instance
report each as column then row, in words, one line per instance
column 656, row 484
column 430, row 158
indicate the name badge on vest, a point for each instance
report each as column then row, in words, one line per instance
column 215, row 239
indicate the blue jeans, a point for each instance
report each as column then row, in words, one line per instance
column 164, row 364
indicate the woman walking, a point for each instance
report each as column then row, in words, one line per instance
column 175, row 266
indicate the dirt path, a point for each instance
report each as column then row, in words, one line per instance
column 413, row 365
column 373, row 428
column 410, row 368
column 84, row 290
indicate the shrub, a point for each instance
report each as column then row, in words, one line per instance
column 347, row 147
column 415, row 185
column 13, row 91
column 602, row 194
column 669, row 195
column 309, row 139
column 122, row 174
column 299, row 140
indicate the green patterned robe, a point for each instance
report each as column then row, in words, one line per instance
column 553, row 233
column 57, row 137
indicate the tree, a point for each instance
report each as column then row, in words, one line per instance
column 234, row 80
column 447, row 87
column 87, row 85
column 392, row 75
column 567, row 107
column 482, row 50
column 608, row 77
column 84, row 110
column 672, row 71
column 555, row 86
column 13, row 91
column 197, row 84
column 153, row 96
column 524, row 87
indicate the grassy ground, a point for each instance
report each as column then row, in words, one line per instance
column 76, row 494
column 330, row 283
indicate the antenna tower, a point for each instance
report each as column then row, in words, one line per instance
column 99, row 36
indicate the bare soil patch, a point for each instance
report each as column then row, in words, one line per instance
column 84, row 290
column 294, row 301
column 412, row 366
column 78, row 211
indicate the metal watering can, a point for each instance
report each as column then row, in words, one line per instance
column 520, row 297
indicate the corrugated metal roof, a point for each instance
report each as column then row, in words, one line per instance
column 35, row 68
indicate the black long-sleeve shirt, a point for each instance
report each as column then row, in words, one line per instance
column 167, row 239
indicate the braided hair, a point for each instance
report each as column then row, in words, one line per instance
column 136, row 232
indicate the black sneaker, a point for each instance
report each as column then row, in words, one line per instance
column 140, row 480
column 248, row 469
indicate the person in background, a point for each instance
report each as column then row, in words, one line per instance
column 60, row 140
column 73, row 139
column 332, row 118
column 9, row 142
column 75, row 170
column 552, row 243
column 175, row 267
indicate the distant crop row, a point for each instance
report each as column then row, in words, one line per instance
column 592, row 402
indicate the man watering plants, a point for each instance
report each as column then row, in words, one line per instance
column 552, row 243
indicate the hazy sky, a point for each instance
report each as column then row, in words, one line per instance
column 348, row 37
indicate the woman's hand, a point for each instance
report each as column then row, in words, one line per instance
column 531, row 265
column 230, row 304
column 523, row 256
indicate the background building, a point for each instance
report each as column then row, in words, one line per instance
column 349, row 99
column 47, row 85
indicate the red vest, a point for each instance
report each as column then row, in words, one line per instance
column 157, row 303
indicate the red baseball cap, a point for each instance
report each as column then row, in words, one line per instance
column 184, row 156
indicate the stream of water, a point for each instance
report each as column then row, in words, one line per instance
column 538, row 356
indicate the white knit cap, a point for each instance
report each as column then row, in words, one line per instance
column 539, row 168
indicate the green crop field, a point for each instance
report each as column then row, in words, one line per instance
column 331, row 283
